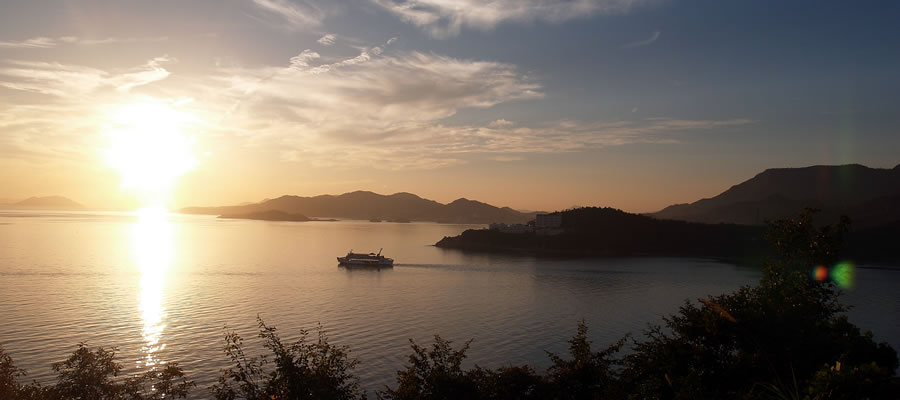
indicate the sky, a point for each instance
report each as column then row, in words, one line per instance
column 533, row 104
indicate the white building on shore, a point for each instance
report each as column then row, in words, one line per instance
column 512, row 228
column 547, row 221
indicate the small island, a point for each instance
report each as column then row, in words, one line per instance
column 608, row 232
column 272, row 215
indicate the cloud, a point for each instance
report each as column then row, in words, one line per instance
column 430, row 146
column 645, row 42
column 507, row 158
column 445, row 18
column 381, row 92
column 47, row 42
column 381, row 109
column 303, row 59
column 388, row 110
column 33, row 43
column 298, row 16
column 327, row 40
column 151, row 72
column 65, row 80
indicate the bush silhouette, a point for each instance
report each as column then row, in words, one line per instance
column 781, row 333
column 301, row 370
column 94, row 374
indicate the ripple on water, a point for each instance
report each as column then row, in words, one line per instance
column 58, row 289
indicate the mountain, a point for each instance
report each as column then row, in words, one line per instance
column 368, row 205
column 48, row 202
column 869, row 196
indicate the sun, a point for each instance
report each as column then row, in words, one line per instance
column 150, row 149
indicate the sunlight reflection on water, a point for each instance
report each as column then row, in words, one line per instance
column 154, row 250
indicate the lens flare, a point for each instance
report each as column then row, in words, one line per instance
column 842, row 275
column 820, row 273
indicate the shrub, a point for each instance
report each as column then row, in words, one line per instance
column 302, row 370
column 433, row 374
column 93, row 374
column 785, row 329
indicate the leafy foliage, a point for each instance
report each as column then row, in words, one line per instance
column 437, row 373
column 588, row 374
column 9, row 387
column 433, row 374
column 785, row 329
column 302, row 370
column 93, row 374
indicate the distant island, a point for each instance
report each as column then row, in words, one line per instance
column 272, row 215
column 46, row 203
column 608, row 232
column 362, row 205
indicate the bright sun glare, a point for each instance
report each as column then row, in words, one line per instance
column 150, row 149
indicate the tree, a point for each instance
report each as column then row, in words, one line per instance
column 589, row 374
column 433, row 374
column 786, row 329
column 302, row 370
column 93, row 374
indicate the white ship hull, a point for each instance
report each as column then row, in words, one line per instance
column 368, row 260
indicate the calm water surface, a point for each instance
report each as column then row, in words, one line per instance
column 162, row 289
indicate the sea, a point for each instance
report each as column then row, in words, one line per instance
column 164, row 288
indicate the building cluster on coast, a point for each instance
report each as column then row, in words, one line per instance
column 543, row 224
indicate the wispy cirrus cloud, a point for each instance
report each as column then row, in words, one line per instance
column 430, row 146
column 298, row 15
column 150, row 72
column 653, row 37
column 387, row 111
column 33, row 43
column 42, row 42
column 66, row 80
column 445, row 18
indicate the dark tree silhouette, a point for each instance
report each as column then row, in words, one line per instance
column 787, row 331
column 301, row 370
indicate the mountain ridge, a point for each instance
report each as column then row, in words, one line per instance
column 362, row 204
column 47, row 202
column 850, row 189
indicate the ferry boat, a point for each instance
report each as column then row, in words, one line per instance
column 362, row 259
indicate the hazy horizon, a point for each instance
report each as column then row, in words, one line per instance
column 534, row 105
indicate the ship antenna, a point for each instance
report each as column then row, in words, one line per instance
column 379, row 251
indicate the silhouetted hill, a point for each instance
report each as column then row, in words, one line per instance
column 610, row 232
column 270, row 215
column 48, row 202
column 869, row 196
column 368, row 205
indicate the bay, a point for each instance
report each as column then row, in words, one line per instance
column 163, row 288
